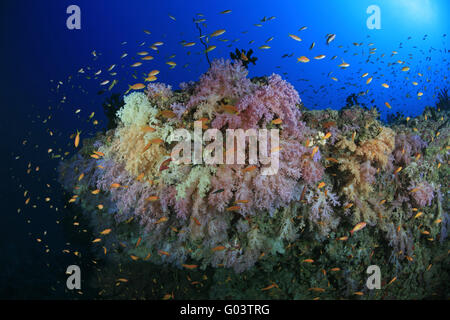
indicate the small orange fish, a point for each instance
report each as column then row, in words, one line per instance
column 277, row 121
column 106, row 231
column 139, row 177
column 332, row 160
column 348, row 205
column 315, row 149
column 96, row 240
column 138, row 242
column 115, row 185
column 418, row 215
column 321, row 185
column 148, row 129
column 152, row 198
column 397, row 170
column 168, row 296
column 81, row 177
column 335, row 269
column 353, row 136
column 273, row 285
column 161, row 220
column 327, row 136
column 308, row 260
column 168, row 114
column 133, row 257
column 230, row 109
column 189, row 266
column 303, row 59
column 358, row 293
column 137, row 86
column 393, row 279
column 249, row 168
column 95, row 191
column 153, row 141
column 196, row 221
column 233, row 208
column 317, row 289
column 218, row 248
column 165, row 253
column 241, row 201
column 95, row 156
column 77, row 139
column 100, row 207
column 358, row 227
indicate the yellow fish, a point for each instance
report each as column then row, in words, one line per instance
column 358, row 227
column 218, row 33
column 302, row 59
column 296, row 38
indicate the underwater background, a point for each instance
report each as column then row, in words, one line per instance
column 52, row 88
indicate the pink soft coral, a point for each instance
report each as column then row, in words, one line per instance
column 423, row 193
column 224, row 79
column 278, row 99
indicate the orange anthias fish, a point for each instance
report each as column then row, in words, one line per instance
column 358, row 227
column 138, row 242
column 163, row 219
column 196, row 221
column 230, row 109
column 77, row 139
column 153, row 141
column 249, row 168
column 277, row 121
column 168, row 114
column 218, row 248
column 315, row 149
column 397, row 170
column 106, row 231
column 189, row 266
column 152, row 198
column 148, row 129
column 273, row 285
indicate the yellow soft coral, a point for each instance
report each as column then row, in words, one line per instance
column 128, row 148
column 379, row 148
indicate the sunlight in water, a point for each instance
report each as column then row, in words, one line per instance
column 418, row 10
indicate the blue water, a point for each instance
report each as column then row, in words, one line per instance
column 38, row 51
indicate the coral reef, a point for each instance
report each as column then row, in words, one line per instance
column 336, row 169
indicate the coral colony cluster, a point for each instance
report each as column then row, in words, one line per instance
column 337, row 170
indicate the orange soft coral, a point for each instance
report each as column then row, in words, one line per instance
column 379, row 148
